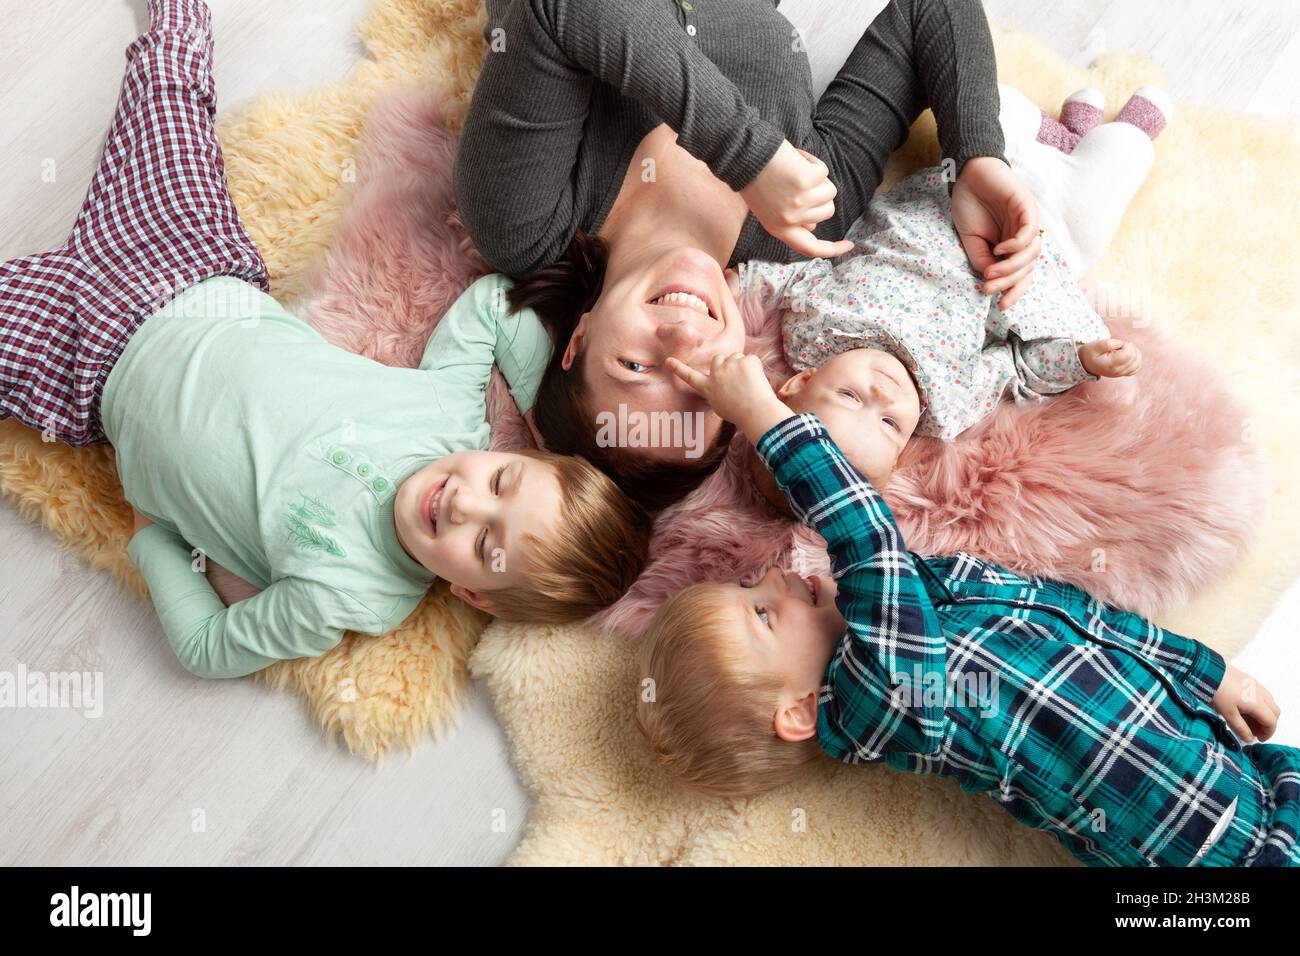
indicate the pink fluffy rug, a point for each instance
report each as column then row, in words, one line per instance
column 1137, row 490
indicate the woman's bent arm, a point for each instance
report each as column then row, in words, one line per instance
column 519, row 145
column 954, row 56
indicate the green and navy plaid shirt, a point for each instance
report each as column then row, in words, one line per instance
column 1083, row 720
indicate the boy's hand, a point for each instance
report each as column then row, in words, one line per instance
column 736, row 389
column 230, row 587
column 790, row 196
column 139, row 520
column 1246, row 705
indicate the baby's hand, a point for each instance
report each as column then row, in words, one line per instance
column 1110, row 358
column 1246, row 705
column 737, row 389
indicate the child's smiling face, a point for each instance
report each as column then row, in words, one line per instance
column 465, row 518
column 786, row 627
column 868, row 402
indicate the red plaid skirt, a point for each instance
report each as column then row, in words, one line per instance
column 158, row 218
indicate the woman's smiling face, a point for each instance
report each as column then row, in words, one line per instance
column 637, row 323
column 465, row 517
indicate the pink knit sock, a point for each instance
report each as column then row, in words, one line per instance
column 1053, row 133
column 1083, row 110
column 1149, row 109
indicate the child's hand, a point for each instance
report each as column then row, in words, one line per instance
column 737, row 389
column 139, row 520
column 1246, row 705
column 230, row 587
column 1110, row 358
column 790, row 196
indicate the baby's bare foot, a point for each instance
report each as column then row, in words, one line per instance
column 1110, row 358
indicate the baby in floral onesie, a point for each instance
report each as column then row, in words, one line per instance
column 895, row 337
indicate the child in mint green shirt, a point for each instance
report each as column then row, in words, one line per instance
column 339, row 486
column 343, row 487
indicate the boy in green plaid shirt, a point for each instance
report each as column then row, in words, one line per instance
column 1132, row 745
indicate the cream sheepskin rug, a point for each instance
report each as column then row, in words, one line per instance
column 293, row 162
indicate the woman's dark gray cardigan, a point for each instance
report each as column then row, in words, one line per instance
column 570, row 87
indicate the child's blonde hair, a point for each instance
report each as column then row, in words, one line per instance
column 707, row 716
column 598, row 549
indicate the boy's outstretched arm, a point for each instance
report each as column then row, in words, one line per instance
column 289, row 619
column 874, row 700
column 479, row 330
column 878, row 697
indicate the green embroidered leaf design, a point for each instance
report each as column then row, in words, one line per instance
column 313, row 508
column 307, row 537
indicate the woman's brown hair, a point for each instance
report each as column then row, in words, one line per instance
column 560, row 294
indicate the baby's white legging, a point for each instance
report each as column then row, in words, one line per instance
column 1082, row 196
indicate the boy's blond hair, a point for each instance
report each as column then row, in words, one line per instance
column 599, row 547
column 707, row 717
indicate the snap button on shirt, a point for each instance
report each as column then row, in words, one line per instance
column 687, row 20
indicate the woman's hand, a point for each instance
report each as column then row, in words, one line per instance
column 790, row 196
column 997, row 220
column 737, row 389
column 139, row 521
column 1246, row 705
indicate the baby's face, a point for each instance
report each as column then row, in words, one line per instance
column 465, row 516
column 868, row 402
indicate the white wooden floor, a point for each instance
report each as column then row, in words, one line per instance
column 178, row 770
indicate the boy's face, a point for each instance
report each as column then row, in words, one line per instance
column 868, row 402
column 787, row 627
column 465, row 516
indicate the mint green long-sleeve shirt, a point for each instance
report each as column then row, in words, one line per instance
column 248, row 439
